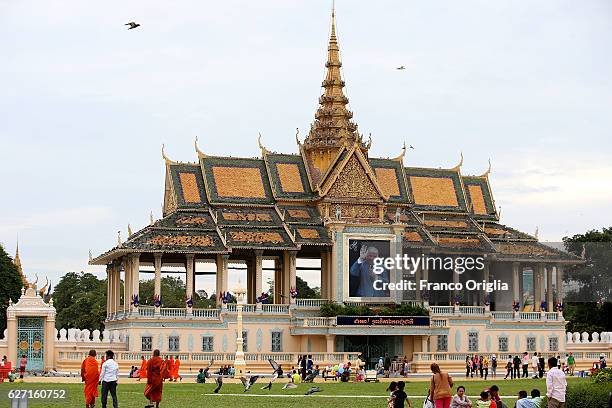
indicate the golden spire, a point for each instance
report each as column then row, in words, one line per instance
column 17, row 263
column 332, row 128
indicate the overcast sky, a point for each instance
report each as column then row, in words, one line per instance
column 85, row 104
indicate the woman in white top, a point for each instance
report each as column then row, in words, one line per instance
column 460, row 400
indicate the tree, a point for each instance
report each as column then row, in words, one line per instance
column 10, row 287
column 588, row 302
column 173, row 294
column 80, row 301
column 305, row 291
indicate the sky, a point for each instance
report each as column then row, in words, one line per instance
column 85, row 104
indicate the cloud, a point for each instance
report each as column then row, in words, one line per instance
column 80, row 216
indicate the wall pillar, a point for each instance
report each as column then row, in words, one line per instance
column 258, row 278
column 11, row 326
column 109, row 290
column 549, row 288
column 537, row 287
column 189, row 275
column 324, row 274
column 158, row 267
column 222, row 275
column 50, row 342
column 291, row 273
column 330, row 343
column 516, row 288
column 127, row 283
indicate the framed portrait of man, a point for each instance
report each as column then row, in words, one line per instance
column 364, row 272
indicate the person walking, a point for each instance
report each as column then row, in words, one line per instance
column 157, row 371
column 468, row 366
column 143, row 368
column 516, row 365
column 541, row 365
column 556, row 385
column 109, row 376
column 387, row 365
column 509, row 371
column 571, row 363
column 440, row 387
column 90, row 375
column 485, row 367
column 525, row 362
column 535, row 364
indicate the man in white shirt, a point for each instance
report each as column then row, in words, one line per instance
column 109, row 375
column 555, row 385
column 534, row 364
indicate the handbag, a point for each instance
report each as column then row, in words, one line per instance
column 428, row 403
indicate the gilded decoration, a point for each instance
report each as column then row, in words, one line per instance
column 189, row 185
column 182, row 240
column 353, row 182
column 387, row 180
column 246, row 216
column 290, row 178
column 357, row 211
column 293, row 213
column 412, row 236
column 439, row 191
column 191, row 220
column 459, row 242
column 446, row 223
column 243, row 182
column 477, row 198
column 522, row 249
column 256, row 236
column 308, row 233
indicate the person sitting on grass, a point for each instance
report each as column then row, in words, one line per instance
column 537, row 399
column 460, row 400
column 494, row 393
column 201, row 378
column 484, row 401
column 523, row 402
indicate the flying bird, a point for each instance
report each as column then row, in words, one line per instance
column 401, row 68
column 219, row 382
column 312, row 390
column 248, row 383
column 277, row 371
column 289, row 386
column 132, row 25
column 412, row 147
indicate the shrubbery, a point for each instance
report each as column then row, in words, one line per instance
column 588, row 395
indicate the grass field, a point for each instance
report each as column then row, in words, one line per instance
column 188, row 394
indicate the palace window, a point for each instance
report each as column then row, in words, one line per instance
column 173, row 343
column 473, row 341
column 146, row 343
column 442, row 342
column 553, row 344
column 207, row 343
column 503, row 343
column 245, row 343
column 531, row 344
column 277, row 344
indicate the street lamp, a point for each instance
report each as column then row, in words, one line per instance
column 239, row 361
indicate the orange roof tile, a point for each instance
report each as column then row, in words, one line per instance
column 241, row 182
column 434, row 191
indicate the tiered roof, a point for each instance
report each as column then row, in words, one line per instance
column 286, row 201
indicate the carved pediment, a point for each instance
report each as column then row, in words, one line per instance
column 353, row 182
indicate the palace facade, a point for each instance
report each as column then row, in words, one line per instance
column 333, row 203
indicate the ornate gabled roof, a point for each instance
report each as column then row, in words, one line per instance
column 288, row 176
column 187, row 220
column 499, row 232
column 187, row 185
column 436, row 189
column 248, row 217
column 479, row 196
column 390, row 176
column 310, row 234
column 236, row 180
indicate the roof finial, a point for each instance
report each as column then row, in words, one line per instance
column 129, row 230
column 537, row 232
column 261, row 146
column 118, row 237
column 297, row 137
column 486, row 173
column 458, row 166
column 333, row 22
column 151, row 217
column 198, row 151
column 400, row 158
column 90, row 256
column 168, row 161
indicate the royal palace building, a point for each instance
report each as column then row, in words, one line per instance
column 331, row 203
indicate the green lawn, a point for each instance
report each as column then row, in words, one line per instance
column 188, row 394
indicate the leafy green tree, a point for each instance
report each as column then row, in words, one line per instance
column 173, row 294
column 10, row 287
column 305, row 291
column 80, row 300
column 588, row 304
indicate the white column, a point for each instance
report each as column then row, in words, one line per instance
column 330, row 343
column 109, row 290
column 537, row 287
column 135, row 266
column 516, row 288
column 258, row 273
column 127, row 284
column 116, row 287
column 221, row 283
column 290, row 273
column 560, row 283
column 189, row 268
column 549, row 288
column 158, row 267
column 324, row 272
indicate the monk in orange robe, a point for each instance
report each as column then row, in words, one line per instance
column 143, row 369
column 175, row 369
column 90, row 375
column 167, row 368
column 171, row 368
column 156, row 372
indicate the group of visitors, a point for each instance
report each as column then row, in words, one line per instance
column 475, row 365
column 440, row 396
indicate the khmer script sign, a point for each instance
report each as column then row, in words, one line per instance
column 382, row 321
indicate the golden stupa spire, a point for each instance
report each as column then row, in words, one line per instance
column 17, row 262
column 332, row 128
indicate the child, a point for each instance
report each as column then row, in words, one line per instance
column 484, row 401
column 399, row 396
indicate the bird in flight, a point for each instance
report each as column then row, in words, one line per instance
column 412, row 147
column 132, row 25
column 401, row 68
